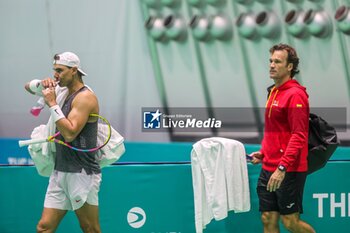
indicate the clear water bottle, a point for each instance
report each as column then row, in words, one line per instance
column 36, row 109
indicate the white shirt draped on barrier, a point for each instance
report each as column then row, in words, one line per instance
column 220, row 179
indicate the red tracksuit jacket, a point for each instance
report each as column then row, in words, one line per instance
column 286, row 128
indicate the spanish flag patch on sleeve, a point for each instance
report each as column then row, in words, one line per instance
column 299, row 105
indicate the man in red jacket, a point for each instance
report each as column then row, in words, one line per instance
column 284, row 147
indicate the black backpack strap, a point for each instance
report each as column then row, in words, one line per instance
column 269, row 90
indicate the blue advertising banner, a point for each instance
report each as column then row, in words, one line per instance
column 158, row 198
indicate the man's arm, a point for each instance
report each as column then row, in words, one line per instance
column 298, row 118
column 83, row 105
column 36, row 86
column 256, row 157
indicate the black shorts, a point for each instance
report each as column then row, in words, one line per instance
column 287, row 199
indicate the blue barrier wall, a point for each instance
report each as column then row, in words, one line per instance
column 141, row 152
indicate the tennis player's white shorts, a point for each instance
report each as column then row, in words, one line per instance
column 69, row 191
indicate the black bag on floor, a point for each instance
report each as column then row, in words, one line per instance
column 323, row 141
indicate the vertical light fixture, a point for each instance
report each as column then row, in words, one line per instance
column 342, row 17
column 155, row 27
column 216, row 2
column 246, row 25
column 295, row 1
column 318, row 23
column 244, row 2
column 152, row 3
column 295, row 23
column 265, row 1
column 200, row 26
column 268, row 24
column 195, row 3
column 171, row 3
column 221, row 27
column 175, row 27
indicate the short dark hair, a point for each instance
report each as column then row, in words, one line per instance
column 292, row 56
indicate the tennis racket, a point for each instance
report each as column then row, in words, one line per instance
column 86, row 141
